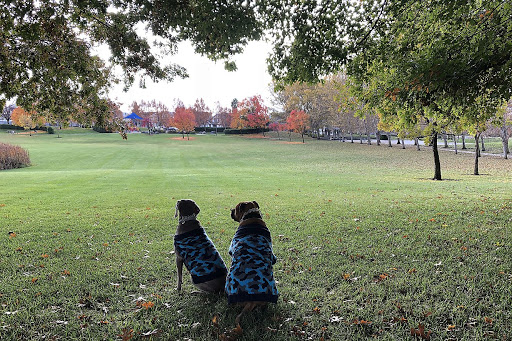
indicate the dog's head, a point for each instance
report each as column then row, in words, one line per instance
column 186, row 207
column 242, row 208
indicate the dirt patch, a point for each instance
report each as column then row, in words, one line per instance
column 288, row 142
column 23, row 132
column 183, row 139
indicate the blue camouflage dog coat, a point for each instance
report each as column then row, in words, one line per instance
column 251, row 277
column 200, row 256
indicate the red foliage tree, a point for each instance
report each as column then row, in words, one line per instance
column 184, row 120
column 250, row 113
column 298, row 121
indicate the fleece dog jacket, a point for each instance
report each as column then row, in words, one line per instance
column 250, row 277
column 200, row 256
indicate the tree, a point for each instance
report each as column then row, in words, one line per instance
column 184, row 120
column 277, row 126
column 46, row 53
column 27, row 120
column 7, row 111
column 256, row 112
column 502, row 126
column 222, row 116
column 298, row 121
column 428, row 57
column 250, row 113
column 202, row 113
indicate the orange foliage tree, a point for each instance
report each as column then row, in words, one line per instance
column 27, row 120
column 298, row 121
column 184, row 120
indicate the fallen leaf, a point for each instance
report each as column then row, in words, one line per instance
column 148, row 305
column 420, row 332
column 238, row 330
column 126, row 334
column 316, row 310
column 488, row 320
column 215, row 321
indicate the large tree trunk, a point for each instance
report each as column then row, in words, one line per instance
column 378, row 137
column 360, row 138
column 403, row 143
column 417, row 143
column 351, row 137
column 477, row 154
column 389, row 140
column 437, row 162
column 455, row 142
column 463, row 141
column 483, row 145
column 368, row 136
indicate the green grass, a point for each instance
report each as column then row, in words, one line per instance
column 367, row 245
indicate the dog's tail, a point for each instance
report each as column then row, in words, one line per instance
column 248, row 306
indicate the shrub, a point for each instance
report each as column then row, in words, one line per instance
column 50, row 130
column 13, row 157
column 100, row 129
column 10, row 127
column 244, row 131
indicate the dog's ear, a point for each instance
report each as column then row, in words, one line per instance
column 256, row 204
column 177, row 208
column 196, row 208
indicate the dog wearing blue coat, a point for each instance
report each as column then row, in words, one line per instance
column 194, row 248
column 250, row 281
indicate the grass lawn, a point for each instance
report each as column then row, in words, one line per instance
column 367, row 245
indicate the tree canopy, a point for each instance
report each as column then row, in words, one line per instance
column 46, row 58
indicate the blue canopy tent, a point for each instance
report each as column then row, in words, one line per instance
column 136, row 119
column 133, row 116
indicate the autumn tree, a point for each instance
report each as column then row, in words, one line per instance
column 184, row 120
column 298, row 121
column 27, row 120
column 250, row 113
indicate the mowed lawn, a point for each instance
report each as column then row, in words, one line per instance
column 367, row 245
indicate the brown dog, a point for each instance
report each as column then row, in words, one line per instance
column 194, row 249
column 250, row 281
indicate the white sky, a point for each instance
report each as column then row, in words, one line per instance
column 207, row 80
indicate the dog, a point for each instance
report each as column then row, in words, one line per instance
column 194, row 249
column 250, row 281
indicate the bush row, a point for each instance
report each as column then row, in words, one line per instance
column 209, row 129
column 245, row 131
column 13, row 156
column 10, row 127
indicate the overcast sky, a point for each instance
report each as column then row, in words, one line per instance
column 208, row 80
